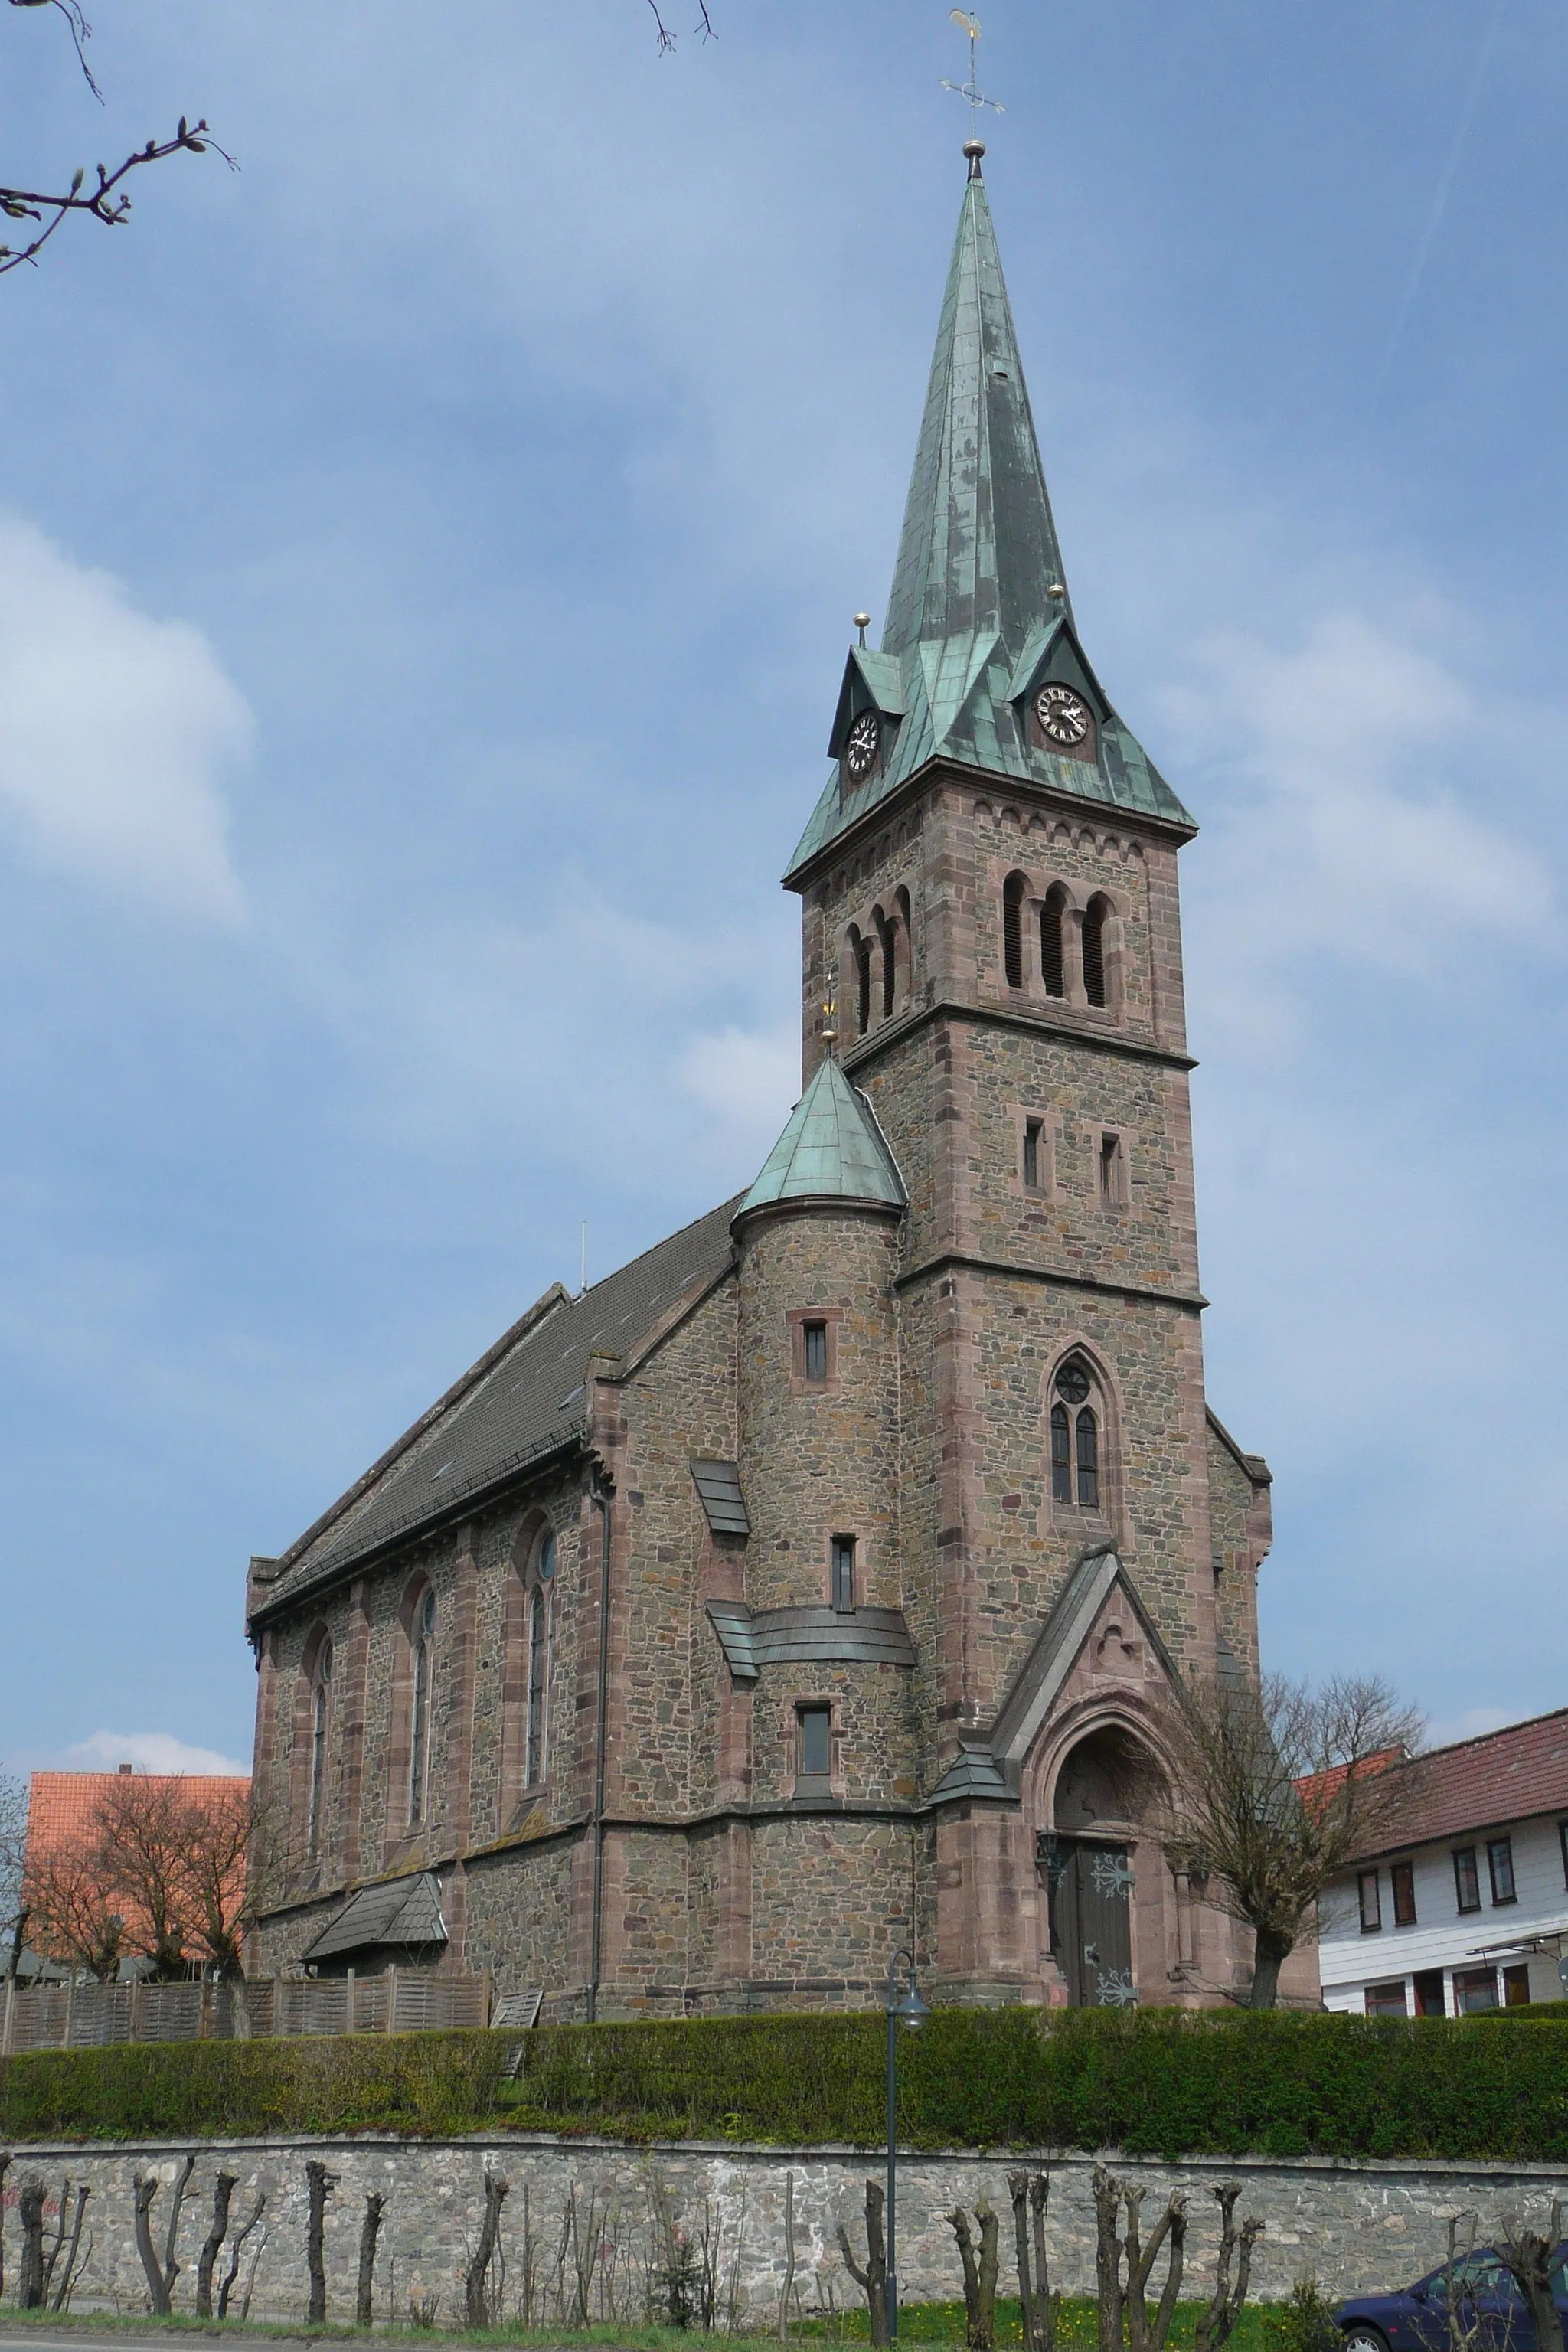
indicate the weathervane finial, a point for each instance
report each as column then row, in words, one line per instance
column 970, row 91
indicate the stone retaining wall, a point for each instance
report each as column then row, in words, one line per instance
column 1356, row 2227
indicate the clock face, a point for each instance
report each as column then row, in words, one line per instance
column 861, row 746
column 1062, row 714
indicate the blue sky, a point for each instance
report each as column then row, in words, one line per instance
column 428, row 555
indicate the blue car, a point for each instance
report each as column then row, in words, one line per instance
column 1491, row 2313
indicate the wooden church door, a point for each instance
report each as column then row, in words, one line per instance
column 1091, row 1922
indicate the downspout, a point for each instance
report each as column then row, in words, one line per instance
column 602, row 1489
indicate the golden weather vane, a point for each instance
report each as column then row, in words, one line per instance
column 970, row 90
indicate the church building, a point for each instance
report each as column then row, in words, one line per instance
column 815, row 1587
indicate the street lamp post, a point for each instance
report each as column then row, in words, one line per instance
column 909, row 2012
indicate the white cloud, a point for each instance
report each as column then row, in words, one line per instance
column 1475, row 1721
column 1360, row 772
column 115, row 730
column 150, row 1751
column 748, row 1079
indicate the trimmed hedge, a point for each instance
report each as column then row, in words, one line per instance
column 1157, row 2082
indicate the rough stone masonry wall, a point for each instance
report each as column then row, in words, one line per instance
column 1355, row 2227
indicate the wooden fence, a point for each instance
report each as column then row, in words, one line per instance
column 81, row 2016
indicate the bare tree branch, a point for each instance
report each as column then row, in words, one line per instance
column 664, row 37
column 1280, row 1787
column 80, row 33
column 102, row 202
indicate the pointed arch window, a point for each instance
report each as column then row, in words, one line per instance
column 862, row 984
column 539, row 1659
column 1075, row 1438
column 1094, row 923
column 419, row 1717
column 1013, row 929
column 320, row 1741
column 887, row 933
column 1053, row 960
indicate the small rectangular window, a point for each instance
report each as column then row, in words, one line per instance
column 815, row 1743
column 1112, row 1173
column 844, row 1572
column 1403, row 1876
column 1474, row 1988
column 1499, row 1863
column 814, row 1335
column 1563, row 1841
column 1516, row 1986
column 1032, row 1129
column 1387, row 2000
column 1467, row 1884
column 1371, row 1903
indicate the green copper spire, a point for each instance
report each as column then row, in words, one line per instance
column 978, row 621
column 832, row 1149
column 979, row 548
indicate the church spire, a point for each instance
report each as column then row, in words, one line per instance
column 978, row 550
column 980, row 662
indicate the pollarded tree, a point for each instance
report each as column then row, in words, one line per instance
column 1279, row 1787
column 12, row 1854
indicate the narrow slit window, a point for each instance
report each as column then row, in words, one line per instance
column 320, row 1729
column 1053, row 961
column 814, row 1339
column 1402, row 1879
column 815, row 1742
column 1061, row 1456
column 1088, row 1461
column 889, row 968
column 419, row 1725
column 1113, row 1167
column 863, row 985
column 1094, row 951
column 843, row 1572
column 1368, row 1887
column 1013, row 930
column 1033, row 1130
column 1500, row 1864
column 538, row 1646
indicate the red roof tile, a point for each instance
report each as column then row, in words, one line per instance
column 1477, row 1784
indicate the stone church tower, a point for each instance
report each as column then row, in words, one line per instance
column 815, row 1586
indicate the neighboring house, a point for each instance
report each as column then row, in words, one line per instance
column 815, row 1585
column 63, row 1820
column 1467, row 1908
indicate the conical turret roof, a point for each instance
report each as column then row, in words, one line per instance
column 979, row 615
column 832, row 1149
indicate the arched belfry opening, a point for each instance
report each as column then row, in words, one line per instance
column 1107, row 1790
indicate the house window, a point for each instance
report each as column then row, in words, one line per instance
column 1429, row 2000
column 1033, row 1130
column 1404, row 1878
column 1563, row 1841
column 814, row 1351
column 1516, row 1986
column 1053, row 963
column 1387, row 2000
column 1467, row 1884
column 1112, row 1173
column 419, row 1727
column 538, row 1679
column 1370, row 1901
column 320, row 1733
column 815, row 1743
column 1499, row 1863
column 844, row 1572
column 1094, row 950
column 1013, row 930
column 1474, row 1988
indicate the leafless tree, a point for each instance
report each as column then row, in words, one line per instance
column 13, row 1854
column 1216, row 2321
column 1528, row 2255
column 142, row 1831
column 30, row 2211
column 159, row 2276
column 482, row 2304
column 370, row 2230
column 1030, row 2198
column 320, row 2185
column 1277, row 1787
column 237, row 2247
column 104, row 196
column 979, row 2274
column 74, row 1912
column 217, row 1830
column 871, row 2277
column 224, row 2188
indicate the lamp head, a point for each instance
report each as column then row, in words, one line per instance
column 912, row 2012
